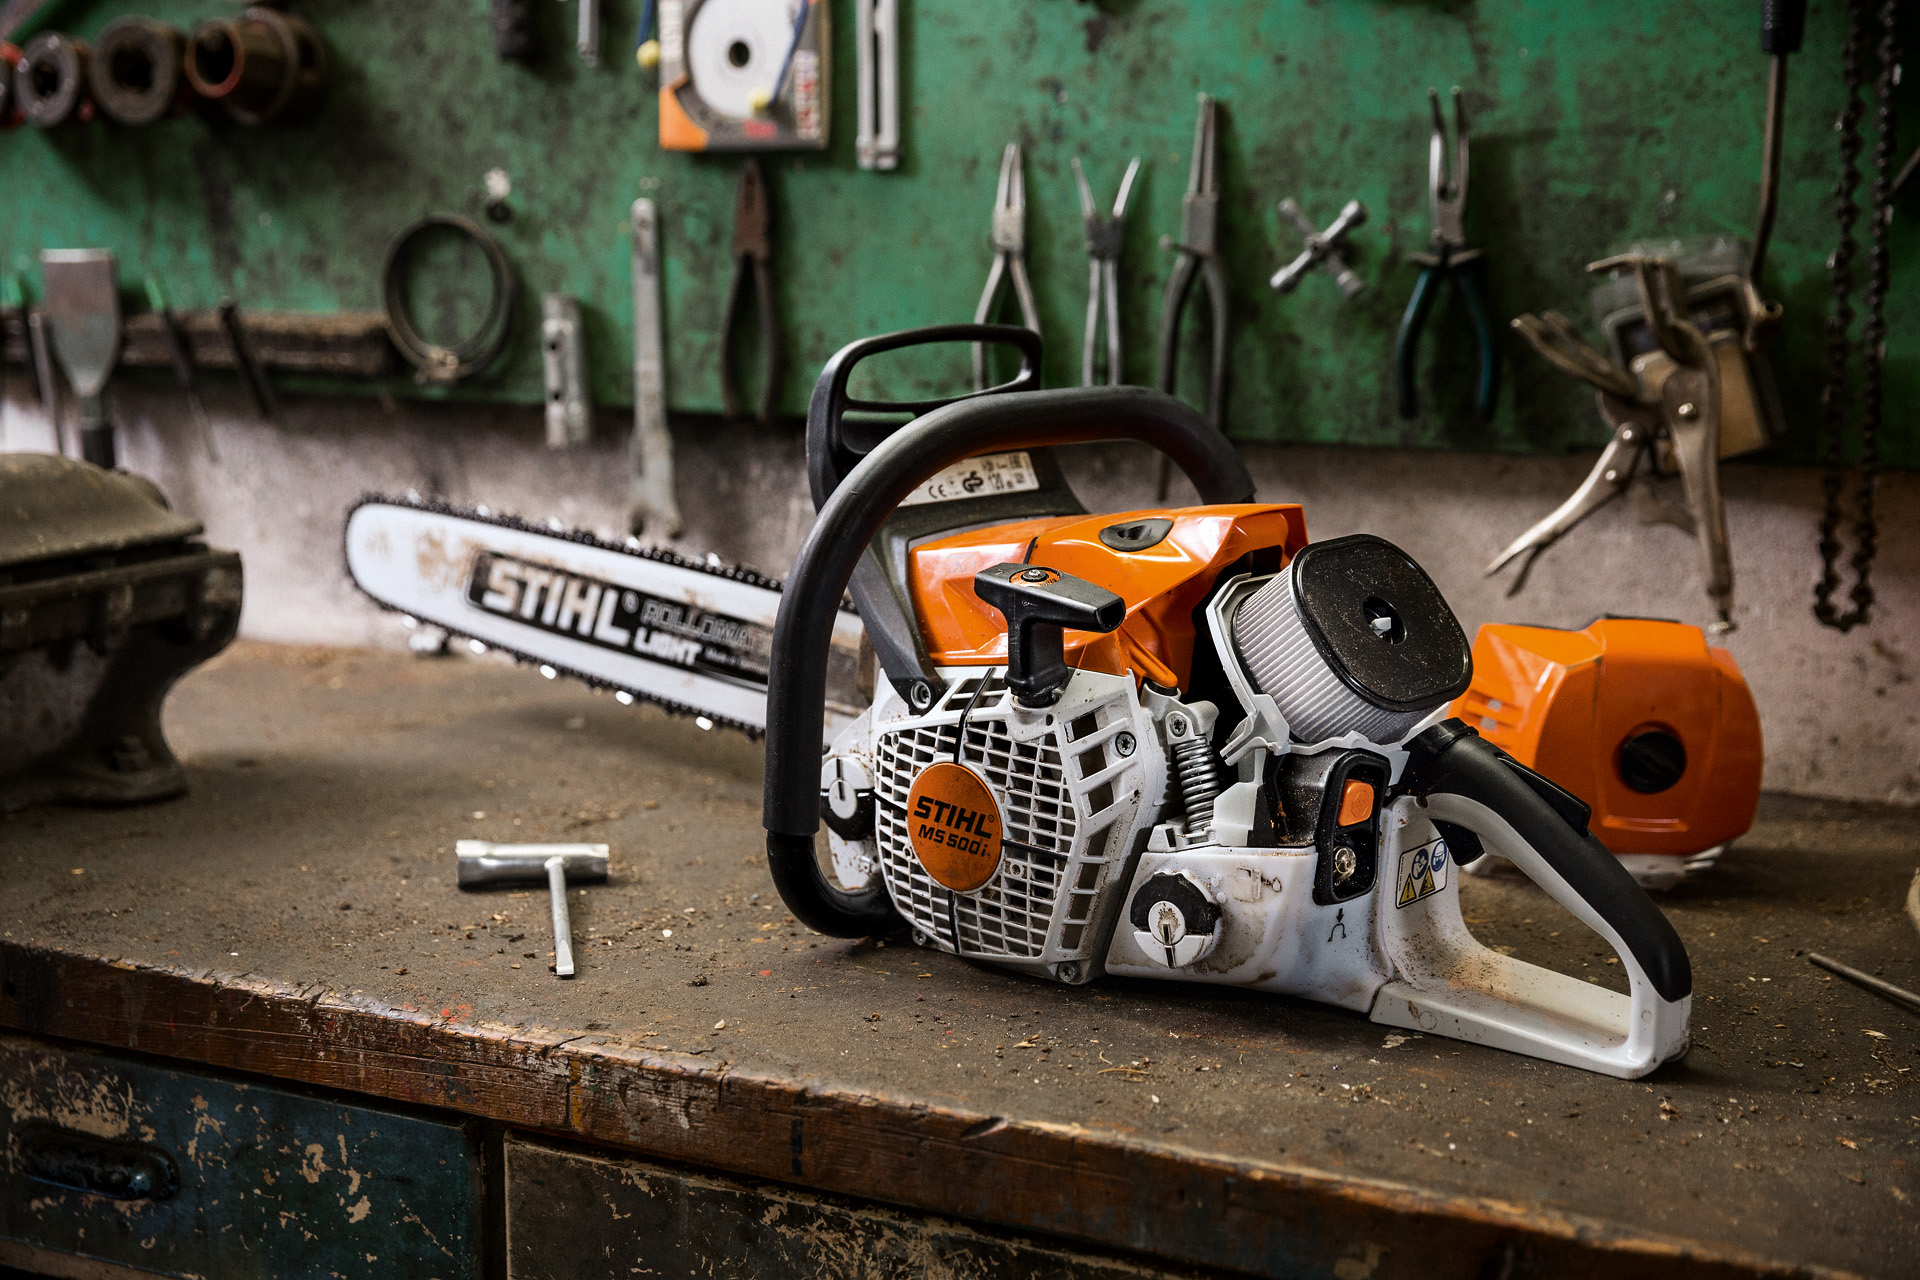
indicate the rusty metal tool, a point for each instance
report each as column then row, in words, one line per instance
column 1104, row 235
column 1199, row 226
column 251, row 373
column 1886, row 990
column 181, row 356
column 650, row 486
column 1668, row 414
column 877, row 24
column 1009, row 241
column 1783, row 23
column 482, row 862
column 83, row 321
column 563, row 364
column 44, row 383
column 752, row 252
column 1326, row 249
column 587, row 35
column 1447, row 257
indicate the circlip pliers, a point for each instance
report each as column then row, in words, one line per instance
column 1447, row 255
column 1673, row 423
column 752, row 250
column 1104, row 235
column 1009, row 241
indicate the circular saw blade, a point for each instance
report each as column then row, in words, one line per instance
column 734, row 51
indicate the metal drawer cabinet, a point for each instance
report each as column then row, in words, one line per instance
column 110, row 1165
column 578, row 1216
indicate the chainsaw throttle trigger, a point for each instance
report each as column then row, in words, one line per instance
column 1039, row 603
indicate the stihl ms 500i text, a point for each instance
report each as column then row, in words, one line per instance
column 1183, row 744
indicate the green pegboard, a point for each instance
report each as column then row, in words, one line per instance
column 1593, row 125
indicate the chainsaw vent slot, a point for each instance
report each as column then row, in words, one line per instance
column 963, row 692
column 1082, row 726
column 1100, row 798
column 1093, row 760
column 1039, row 810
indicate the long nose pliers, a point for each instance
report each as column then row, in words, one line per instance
column 1199, row 228
column 1447, row 255
column 1009, row 242
column 752, row 251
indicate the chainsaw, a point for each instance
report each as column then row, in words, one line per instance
column 1182, row 744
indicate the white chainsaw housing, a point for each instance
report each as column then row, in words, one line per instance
column 1077, row 783
column 1089, row 825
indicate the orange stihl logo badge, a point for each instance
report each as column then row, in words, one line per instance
column 955, row 826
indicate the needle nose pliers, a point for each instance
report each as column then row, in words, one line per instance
column 1447, row 255
column 1009, row 241
column 1199, row 225
column 752, row 250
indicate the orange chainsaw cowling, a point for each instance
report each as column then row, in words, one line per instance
column 1162, row 583
column 1600, row 710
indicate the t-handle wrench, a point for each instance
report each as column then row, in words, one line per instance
column 484, row 862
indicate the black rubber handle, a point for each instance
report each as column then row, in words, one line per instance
column 831, row 456
column 1039, row 604
column 1782, row 25
column 1452, row 758
column 851, row 516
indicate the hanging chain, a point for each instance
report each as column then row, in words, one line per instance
column 1873, row 336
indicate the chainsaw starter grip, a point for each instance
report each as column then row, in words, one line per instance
column 847, row 523
column 1452, row 758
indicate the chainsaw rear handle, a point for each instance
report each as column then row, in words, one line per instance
column 851, row 516
column 1450, row 759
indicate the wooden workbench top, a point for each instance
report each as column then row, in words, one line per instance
column 297, row 916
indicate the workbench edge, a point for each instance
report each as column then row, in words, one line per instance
column 1068, row 1180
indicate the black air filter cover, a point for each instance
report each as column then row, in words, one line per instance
column 1380, row 623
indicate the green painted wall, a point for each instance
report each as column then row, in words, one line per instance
column 1593, row 125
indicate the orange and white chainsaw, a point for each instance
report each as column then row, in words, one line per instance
column 1185, row 744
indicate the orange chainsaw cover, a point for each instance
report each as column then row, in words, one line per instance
column 1566, row 702
column 1161, row 584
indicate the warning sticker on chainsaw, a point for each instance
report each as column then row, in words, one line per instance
column 981, row 477
column 1423, row 872
column 955, row 826
column 615, row 617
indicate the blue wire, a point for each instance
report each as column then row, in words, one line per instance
column 799, row 25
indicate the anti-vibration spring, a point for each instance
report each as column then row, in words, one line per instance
column 1199, row 780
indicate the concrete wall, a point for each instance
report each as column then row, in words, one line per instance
column 1841, row 714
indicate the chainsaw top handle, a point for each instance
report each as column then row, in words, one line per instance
column 852, row 515
column 831, row 454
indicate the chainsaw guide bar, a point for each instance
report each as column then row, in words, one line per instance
column 691, row 636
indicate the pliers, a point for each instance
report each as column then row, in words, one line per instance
column 1447, row 254
column 1673, row 424
column 1199, row 223
column 751, row 247
column 1104, row 234
column 1009, row 241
